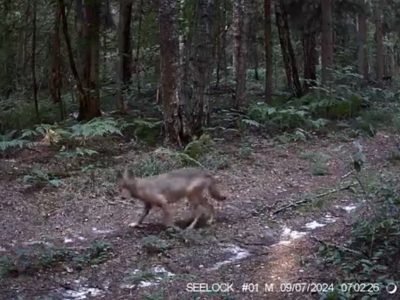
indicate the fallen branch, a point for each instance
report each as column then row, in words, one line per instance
column 297, row 203
column 341, row 248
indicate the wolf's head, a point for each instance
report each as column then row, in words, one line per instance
column 126, row 184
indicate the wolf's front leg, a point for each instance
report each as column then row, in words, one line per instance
column 146, row 210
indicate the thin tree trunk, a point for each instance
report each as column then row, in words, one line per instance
column 33, row 62
column 240, row 21
column 74, row 70
column 268, row 51
column 362, row 44
column 125, row 51
column 289, row 58
column 201, row 64
column 219, row 29
column 326, row 41
column 138, row 45
column 224, row 54
column 379, row 42
column 176, row 130
column 252, row 36
column 310, row 58
column 89, row 106
column 55, row 83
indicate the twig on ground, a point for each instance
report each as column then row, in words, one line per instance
column 297, row 203
column 342, row 248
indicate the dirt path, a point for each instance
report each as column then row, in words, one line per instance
column 250, row 249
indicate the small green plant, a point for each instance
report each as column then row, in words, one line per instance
column 7, row 266
column 78, row 152
column 38, row 176
column 97, row 253
column 6, row 143
column 319, row 162
column 394, row 154
column 153, row 244
column 199, row 147
column 215, row 161
column 246, row 151
column 97, row 127
column 147, row 130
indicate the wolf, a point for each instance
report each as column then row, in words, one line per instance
column 164, row 189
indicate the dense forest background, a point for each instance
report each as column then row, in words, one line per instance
column 293, row 105
column 89, row 57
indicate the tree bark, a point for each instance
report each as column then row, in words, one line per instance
column 175, row 127
column 55, row 83
column 89, row 106
column 310, row 56
column 88, row 86
column 362, row 44
column 379, row 42
column 240, row 21
column 125, row 51
column 33, row 61
column 201, row 64
column 326, row 41
column 289, row 58
column 268, row 51
column 138, row 45
column 74, row 70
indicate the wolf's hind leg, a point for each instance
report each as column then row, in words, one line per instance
column 209, row 210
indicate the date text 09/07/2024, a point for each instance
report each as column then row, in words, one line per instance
column 287, row 287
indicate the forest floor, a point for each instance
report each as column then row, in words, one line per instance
column 266, row 234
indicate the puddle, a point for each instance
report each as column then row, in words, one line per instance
column 82, row 293
column 328, row 218
column 288, row 235
column 347, row 208
column 31, row 243
column 68, row 241
column 314, row 224
column 101, row 231
column 139, row 278
column 238, row 254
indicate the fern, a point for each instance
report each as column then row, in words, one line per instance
column 6, row 143
column 17, row 143
column 96, row 127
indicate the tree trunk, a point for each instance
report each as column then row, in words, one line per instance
column 362, row 43
column 174, row 118
column 201, row 64
column 379, row 41
column 138, row 45
column 33, row 62
column 268, row 51
column 55, row 82
column 88, row 87
column 326, row 41
column 89, row 105
column 74, row 70
column 310, row 58
column 240, row 20
column 125, row 51
column 289, row 58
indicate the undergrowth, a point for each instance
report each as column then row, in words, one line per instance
column 34, row 259
column 372, row 253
